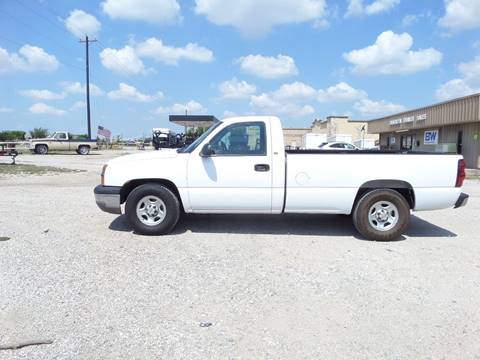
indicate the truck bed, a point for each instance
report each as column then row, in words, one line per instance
column 371, row 152
column 329, row 183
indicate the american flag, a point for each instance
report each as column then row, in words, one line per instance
column 104, row 132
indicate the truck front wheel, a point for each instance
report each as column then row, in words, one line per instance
column 41, row 149
column 152, row 209
column 381, row 215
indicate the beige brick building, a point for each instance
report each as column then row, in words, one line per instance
column 336, row 128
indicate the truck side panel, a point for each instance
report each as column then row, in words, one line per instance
column 328, row 183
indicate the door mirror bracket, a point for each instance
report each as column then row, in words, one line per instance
column 207, row 150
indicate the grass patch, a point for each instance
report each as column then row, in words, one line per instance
column 7, row 169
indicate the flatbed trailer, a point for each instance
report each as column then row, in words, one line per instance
column 9, row 148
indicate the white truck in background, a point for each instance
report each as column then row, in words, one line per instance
column 240, row 166
column 313, row 140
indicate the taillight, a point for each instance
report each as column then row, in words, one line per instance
column 460, row 173
column 102, row 176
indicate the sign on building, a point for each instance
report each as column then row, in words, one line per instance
column 430, row 137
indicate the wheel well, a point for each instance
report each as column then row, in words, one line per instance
column 37, row 145
column 129, row 186
column 79, row 146
column 402, row 187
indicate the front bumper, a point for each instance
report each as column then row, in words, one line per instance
column 108, row 198
column 462, row 200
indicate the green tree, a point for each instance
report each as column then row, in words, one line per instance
column 12, row 135
column 38, row 133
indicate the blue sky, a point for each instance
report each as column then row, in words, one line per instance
column 298, row 59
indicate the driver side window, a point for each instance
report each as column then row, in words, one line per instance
column 60, row 136
column 241, row 139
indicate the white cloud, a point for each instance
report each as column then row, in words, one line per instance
column 265, row 103
column 368, row 107
column 409, row 20
column 153, row 11
column 78, row 105
column 128, row 92
column 471, row 70
column 340, row 92
column 257, row 17
column 357, row 7
column 44, row 109
column 154, row 48
column 228, row 114
column 461, row 15
column 80, row 23
column 288, row 99
column 235, row 89
column 268, row 67
column 467, row 85
column 295, row 91
column 321, row 24
column 192, row 108
column 5, row 110
column 391, row 54
column 43, row 94
column 453, row 89
column 380, row 6
column 78, row 88
column 123, row 61
column 29, row 59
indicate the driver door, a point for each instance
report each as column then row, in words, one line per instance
column 60, row 142
column 237, row 177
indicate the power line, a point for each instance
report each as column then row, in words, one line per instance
column 53, row 12
column 29, row 27
column 42, row 16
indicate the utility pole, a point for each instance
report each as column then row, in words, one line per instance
column 87, row 85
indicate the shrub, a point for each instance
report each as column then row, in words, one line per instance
column 38, row 133
column 12, row 135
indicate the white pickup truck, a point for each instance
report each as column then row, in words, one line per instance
column 240, row 166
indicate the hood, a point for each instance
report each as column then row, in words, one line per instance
column 147, row 155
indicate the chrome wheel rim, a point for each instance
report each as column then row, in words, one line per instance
column 383, row 216
column 151, row 210
column 83, row 150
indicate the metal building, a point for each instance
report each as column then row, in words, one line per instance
column 451, row 126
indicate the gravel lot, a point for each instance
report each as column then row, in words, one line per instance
column 281, row 287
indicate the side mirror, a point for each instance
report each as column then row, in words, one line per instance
column 207, row 150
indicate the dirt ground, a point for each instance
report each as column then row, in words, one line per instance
column 227, row 287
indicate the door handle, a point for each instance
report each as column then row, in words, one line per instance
column 262, row 167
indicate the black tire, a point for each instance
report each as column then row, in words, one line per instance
column 41, row 149
column 367, row 228
column 83, row 150
column 172, row 209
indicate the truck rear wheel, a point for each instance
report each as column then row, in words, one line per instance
column 381, row 215
column 152, row 209
column 41, row 149
column 83, row 150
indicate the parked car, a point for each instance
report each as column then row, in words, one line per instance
column 337, row 146
column 62, row 141
column 240, row 166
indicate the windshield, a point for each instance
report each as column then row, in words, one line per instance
column 193, row 145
